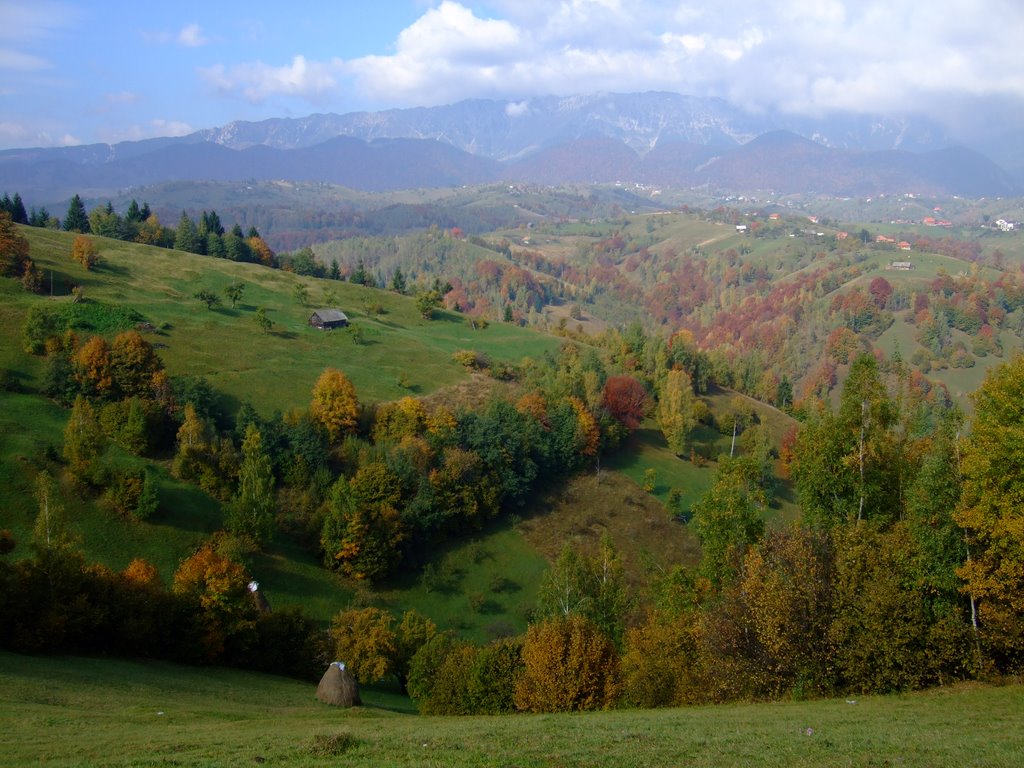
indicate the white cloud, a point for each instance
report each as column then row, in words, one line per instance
column 19, row 61
column 811, row 58
column 30, row 134
column 256, row 81
column 24, row 25
column 191, row 36
column 517, row 108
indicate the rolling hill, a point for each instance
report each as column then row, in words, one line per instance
column 398, row 354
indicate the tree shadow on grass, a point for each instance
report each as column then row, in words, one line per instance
column 112, row 269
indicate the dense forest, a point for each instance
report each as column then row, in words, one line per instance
column 902, row 570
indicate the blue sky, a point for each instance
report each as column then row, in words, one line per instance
column 82, row 72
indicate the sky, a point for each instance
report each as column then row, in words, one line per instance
column 82, row 72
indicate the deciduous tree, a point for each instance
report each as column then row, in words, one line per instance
column 334, row 405
column 13, row 248
column 84, row 442
column 365, row 641
column 83, row 250
column 94, row 368
column 234, row 293
column 677, row 414
column 991, row 513
column 625, row 398
column 251, row 512
column 729, row 518
column 568, row 665
column 133, row 364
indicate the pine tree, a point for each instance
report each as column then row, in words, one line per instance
column 18, row 215
column 186, row 236
column 134, row 213
column 76, row 219
column 398, row 284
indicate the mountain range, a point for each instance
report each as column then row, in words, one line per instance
column 657, row 139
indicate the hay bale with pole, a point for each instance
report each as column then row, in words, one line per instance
column 338, row 687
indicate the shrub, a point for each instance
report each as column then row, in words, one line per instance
column 471, row 359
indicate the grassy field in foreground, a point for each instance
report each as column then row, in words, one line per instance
column 77, row 712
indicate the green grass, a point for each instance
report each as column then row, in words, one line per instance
column 484, row 586
column 646, row 449
column 276, row 370
column 273, row 371
column 88, row 712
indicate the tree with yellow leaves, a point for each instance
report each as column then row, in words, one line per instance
column 334, row 405
column 991, row 514
column 83, row 250
column 677, row 411
column 569, row 665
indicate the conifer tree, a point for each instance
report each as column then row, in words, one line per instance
column 18, row 214
column 186, row 236
column 76, row 219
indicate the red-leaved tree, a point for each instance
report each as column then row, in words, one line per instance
column 625, row 398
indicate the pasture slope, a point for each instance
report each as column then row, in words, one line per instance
column 91, row 712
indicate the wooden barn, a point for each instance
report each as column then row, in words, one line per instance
column 326, row 319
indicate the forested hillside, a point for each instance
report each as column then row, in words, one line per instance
column 690, row 456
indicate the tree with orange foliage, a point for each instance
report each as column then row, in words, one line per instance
column 589, row 434
column 13, row 248
column 569, row 665
column 261, row 251
column 218, row 586
column 83, row 250
column 94, row 368
column 334, row 405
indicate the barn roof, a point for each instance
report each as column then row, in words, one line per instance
column 331, row 315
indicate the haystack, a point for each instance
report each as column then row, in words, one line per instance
column 338, row 687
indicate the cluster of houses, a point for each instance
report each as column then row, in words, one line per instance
column 903, row 245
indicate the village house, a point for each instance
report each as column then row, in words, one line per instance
column 326, row 319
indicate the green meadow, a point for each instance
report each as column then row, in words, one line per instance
column 97, row 712
column 399, row 353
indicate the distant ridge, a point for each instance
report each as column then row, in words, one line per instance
column 650, row 138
